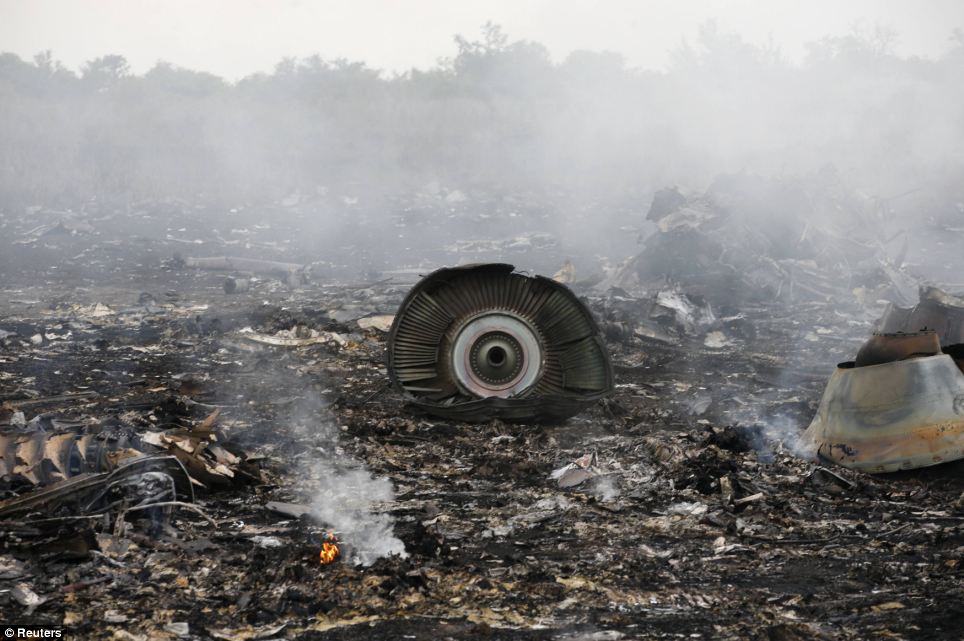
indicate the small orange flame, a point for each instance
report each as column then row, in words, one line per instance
column 329, row 549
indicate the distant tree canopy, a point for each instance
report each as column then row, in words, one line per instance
column 499, row 114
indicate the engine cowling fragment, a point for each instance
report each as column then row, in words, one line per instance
column 898, row 406
column 482, row 341
column 937, row 310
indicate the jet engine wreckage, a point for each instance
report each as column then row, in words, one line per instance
column 483, row 341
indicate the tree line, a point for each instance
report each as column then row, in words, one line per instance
column 497, row 115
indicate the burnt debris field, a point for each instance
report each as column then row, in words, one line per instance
column 512, row 347
column 680, row 506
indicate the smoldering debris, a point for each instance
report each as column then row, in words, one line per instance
column 344, row 500
column 340, row 491
column 684, row 481
column 453, row 521
column 750, row 239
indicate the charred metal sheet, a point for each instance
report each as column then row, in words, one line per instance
column 482, row 341
column 900, row 415
column 937, row 310
column 887, row 348
column 41, row 458
column 31, row 459
column 89, row 493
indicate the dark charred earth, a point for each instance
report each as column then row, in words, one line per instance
column 699, row 518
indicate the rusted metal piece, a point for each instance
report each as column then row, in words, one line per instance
column 482, row 341
column 887, row 348
column 936, row 310
column 900, row 415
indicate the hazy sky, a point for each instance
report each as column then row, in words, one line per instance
column 233, row 38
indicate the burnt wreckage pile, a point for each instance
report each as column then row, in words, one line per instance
column 71, row 479
column 190, row 463
column 748, row 239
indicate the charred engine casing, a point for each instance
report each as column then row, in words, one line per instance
column 479, row 342
column 888, row 348
column 898, row 406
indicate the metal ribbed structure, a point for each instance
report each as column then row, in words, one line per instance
column 561, row 355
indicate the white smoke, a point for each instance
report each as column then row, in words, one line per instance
column 786, row 433
column 346, row 499
column 346, row 496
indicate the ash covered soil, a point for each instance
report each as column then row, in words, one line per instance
column 702, row 523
